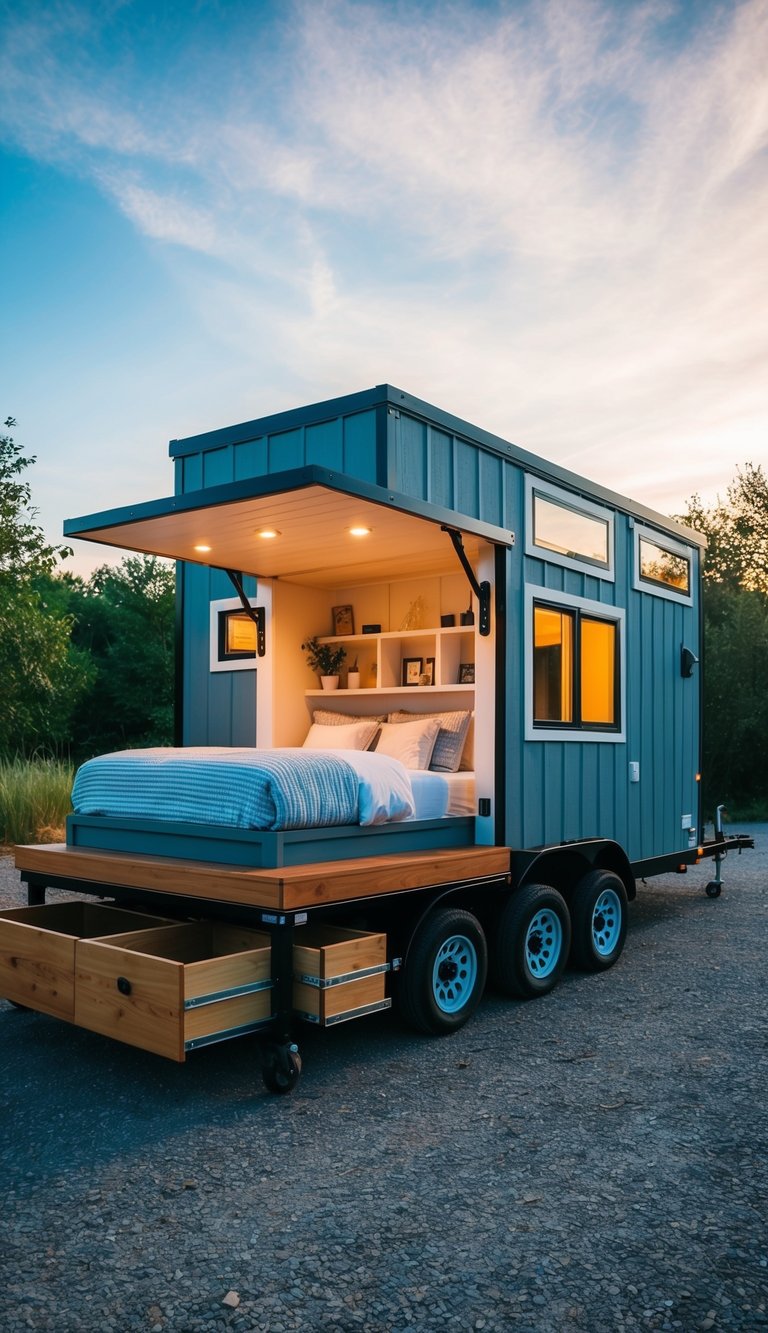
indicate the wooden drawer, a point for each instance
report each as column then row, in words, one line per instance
column 172, row 989
column 338, row 974
column 37, row 949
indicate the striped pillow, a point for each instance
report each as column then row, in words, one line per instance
column 446, row 755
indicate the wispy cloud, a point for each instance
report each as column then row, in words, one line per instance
column 548, row 217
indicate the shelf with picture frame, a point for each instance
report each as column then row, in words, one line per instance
column 444, row 654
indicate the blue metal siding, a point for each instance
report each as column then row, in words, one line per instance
column 578, row 789
column 440, row 480
column 250, row 459
column 348, row 443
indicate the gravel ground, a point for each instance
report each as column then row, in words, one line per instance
column 595, row 1160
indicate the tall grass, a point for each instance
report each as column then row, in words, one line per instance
column 34, row 799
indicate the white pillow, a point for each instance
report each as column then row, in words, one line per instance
column 449, row 746
column 355, row 736
column 410, row 742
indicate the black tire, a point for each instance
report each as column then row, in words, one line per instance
column 281, row 1069
column 714, row 889
column 599, row 921
column 444, row 975
column 530, row 946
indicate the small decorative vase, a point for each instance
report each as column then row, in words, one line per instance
column 329, row 682
column 353, row 680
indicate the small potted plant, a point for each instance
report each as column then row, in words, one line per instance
column 325, row 659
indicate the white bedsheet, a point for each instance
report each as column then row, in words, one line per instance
column 385, row 793
column 461, row 793
column 430, row 793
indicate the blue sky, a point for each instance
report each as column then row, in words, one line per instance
column 545, row 217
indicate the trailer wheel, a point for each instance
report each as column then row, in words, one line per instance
column 714, row 889
column 530, row 946
column 445, row 970
column 599, row 919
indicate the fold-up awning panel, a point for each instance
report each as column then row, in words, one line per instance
column 312, row 514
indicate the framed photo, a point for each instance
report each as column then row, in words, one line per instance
column 412, row 669
column 467, row 673
column 343, row 620
column 428, row 674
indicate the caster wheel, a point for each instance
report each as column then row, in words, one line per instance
column 714, row 889
column 281, row 1068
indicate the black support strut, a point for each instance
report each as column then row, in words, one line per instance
column 482, row 590
column 256, row 613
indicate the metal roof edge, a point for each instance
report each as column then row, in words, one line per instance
column 290, row 419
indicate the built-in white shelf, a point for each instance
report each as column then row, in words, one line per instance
column 445, row 648
column 392, row 689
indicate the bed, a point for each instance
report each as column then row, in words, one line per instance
column 261, row 807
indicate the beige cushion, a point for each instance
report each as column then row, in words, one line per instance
column 355, row 736
column 328, row 719
column 446, row 756
column 410, row 742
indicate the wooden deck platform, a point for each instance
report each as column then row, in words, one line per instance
column 289, row 888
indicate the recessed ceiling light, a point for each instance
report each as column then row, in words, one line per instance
column 360, row 531
column 202, row 548
column 267, row 533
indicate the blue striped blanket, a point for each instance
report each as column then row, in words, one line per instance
column 244, row 788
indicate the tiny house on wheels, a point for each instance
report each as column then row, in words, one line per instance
column 513, row 740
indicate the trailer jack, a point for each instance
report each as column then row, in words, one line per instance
column 719, row 848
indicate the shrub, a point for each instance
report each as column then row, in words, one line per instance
column 34, row 799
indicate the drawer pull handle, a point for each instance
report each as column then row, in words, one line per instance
column 124, row 986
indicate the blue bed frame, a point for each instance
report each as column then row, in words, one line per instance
column 260, row 849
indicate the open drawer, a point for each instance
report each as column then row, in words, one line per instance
column 338, row 974
column 174, row 988
column 37, row 949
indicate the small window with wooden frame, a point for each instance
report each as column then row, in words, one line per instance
column 574, row 669
column 237, row 636
column 234, row 643
column 567, row 529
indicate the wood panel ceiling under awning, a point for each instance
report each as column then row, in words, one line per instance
column 314, row 545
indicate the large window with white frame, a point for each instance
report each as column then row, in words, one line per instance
column 662, row 565
column 567, row 529
column 575, row 673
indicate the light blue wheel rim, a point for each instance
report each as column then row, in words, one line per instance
column 606, row 923
column 544, row 943
column 454, row 973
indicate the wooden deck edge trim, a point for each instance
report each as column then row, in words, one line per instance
column 287, row 888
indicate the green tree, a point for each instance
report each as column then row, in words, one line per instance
column 736, row 532
column 124, row 620
column 42, row 674
column 735, row 665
